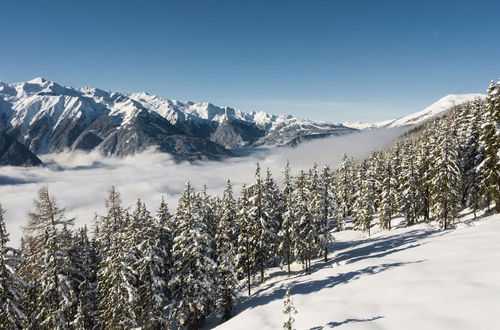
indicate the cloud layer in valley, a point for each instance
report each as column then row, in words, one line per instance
column 81, row 181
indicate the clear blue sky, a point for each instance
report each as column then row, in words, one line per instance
column 331, row 60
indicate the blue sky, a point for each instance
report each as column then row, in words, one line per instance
column 330, row 60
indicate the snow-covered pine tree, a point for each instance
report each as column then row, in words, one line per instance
column 151, row 271
column 286, row 234
column 116, row 276
column 313, row 189
column 363, row 208
column 84, row 256
column 273, row 206
column 474, row 156
column 166, row 224
column 490, row 144
column 109, row 224
column 424, row 147
column 289, row 310
column 227, row 281
column 12, row 287
column 245, row 260
column 263, row 229
column 344, row 191
column 324, row 208
column 304, row 224
column 445, row 197
column 193, row 282
column 375, row 174
column 210, row 212
column 56, row 296
column 409, row 179
column 388, row 198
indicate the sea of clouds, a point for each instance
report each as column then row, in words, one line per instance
column 81, row 181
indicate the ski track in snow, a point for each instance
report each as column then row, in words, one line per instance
column 407, row 278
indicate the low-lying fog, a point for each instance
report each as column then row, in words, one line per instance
column 80, row 182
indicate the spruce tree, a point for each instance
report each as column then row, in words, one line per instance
column 12, row 287
column 85, row 261
column 193, row 281
column 409, row 194
column 304, row 223
column 245, row 259
column 151, row 270
column 490, row 144
column 286, row 234
column 344, row 191
column 226, row 249
column 445, row 198
column 116, row 276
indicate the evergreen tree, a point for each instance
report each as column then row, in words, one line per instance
column 273, row 210
column 344, row 191
column 289, row 310
column 388, row 201
column 193, row 283
column 262, row 227
column 445, row 178
column 166, row 224
column 116, row 276
column 55, row 298
column 364, row 208
column 304, row 229
column 323, row 208
column 490, row 144
column 245, row 259
column 424, row 173
column 410, row 184
column 84, row 256
column 286, row 233
column 226, row 249
column 151, row 271
column 12, row 287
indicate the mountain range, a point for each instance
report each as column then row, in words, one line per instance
column 40, row 116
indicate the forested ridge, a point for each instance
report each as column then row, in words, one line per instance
column 157, row 270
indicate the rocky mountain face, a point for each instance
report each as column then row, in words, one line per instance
column 45, row 117
column 13, row 153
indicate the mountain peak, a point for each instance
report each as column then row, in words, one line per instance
column 37, row 80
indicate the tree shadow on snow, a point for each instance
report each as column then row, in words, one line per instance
column 352, row 251
column 380, row 246
column 338, row 324
column 307, row 287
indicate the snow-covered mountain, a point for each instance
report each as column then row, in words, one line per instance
column 47, row 117
column 435, row 109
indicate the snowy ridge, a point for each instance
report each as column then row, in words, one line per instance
column 429, row 112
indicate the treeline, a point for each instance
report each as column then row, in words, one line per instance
column 162, row 271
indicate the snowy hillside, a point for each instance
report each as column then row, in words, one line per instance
column 429, row 112
column 406, row 278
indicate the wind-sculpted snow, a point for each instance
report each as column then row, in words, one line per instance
column 81, row 181
column 407, row 278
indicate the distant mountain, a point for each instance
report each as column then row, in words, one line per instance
column 13, row 153
column 47, row 117
column 436, row 109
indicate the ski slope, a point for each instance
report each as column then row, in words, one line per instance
column 406, row 278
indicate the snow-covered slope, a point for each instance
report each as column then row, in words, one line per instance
column 435, row 109
column 406, row 278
